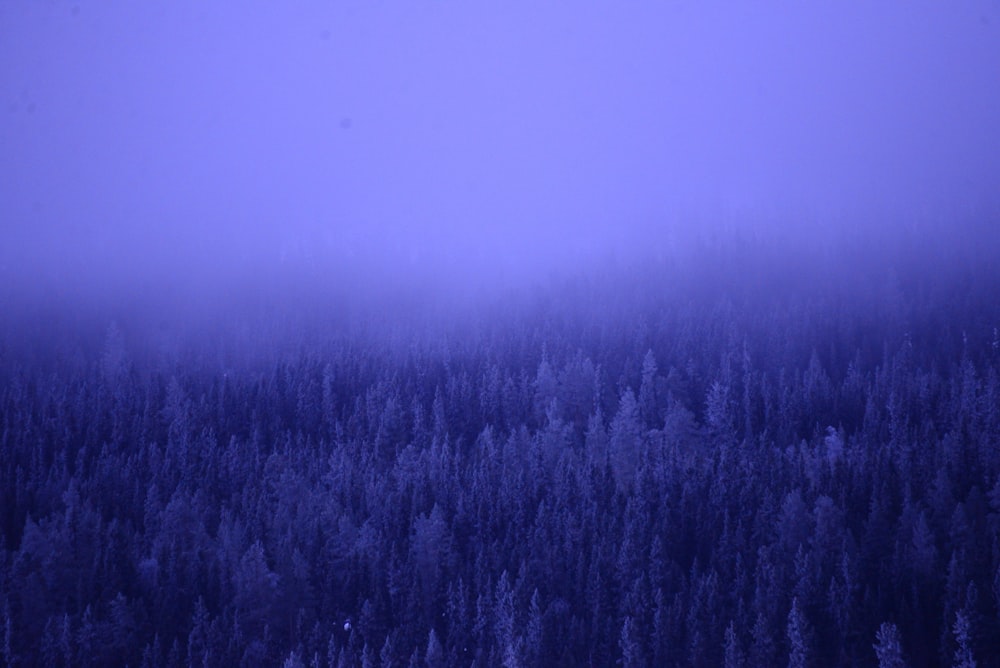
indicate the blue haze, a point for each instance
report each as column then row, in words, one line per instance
column 171, row 144
column 500, row 333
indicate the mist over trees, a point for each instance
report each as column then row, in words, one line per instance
column 747, row 458
column 499, row 334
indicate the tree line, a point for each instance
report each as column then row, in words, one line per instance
column 767, row 469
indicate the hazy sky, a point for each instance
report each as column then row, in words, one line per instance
column 144, row 133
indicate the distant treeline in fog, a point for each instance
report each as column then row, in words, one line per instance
column 739, row 456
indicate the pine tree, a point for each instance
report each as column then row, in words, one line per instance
column 506, row 641
column 733, row 651
column 8, row 636
column 798, row 637
column 386, row 654
column 293, row 660
column 533, row 638
column 649, row 407
column 625, row 440
column 888, row 648
column 434, row 656
column 629, row 644
column 962, row 630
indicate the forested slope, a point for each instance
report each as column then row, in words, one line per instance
column 739, row 460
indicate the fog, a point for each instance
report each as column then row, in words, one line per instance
column 156, row 147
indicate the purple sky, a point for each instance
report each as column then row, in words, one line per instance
column 143, row 134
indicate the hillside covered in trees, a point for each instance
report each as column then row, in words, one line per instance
column 739, row 456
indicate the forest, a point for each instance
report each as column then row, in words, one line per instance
column 751, row 453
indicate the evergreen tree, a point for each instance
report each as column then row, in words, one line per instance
column 888, row 648
column 631, row 650
column 799, row 640
column 962, row 630
column 733, row 657
column 434, row 654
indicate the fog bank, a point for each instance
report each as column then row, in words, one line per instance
column 174, row 146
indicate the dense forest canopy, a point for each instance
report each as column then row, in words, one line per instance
column 747, row 452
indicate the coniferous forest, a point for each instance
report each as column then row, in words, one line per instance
column 740, row 455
